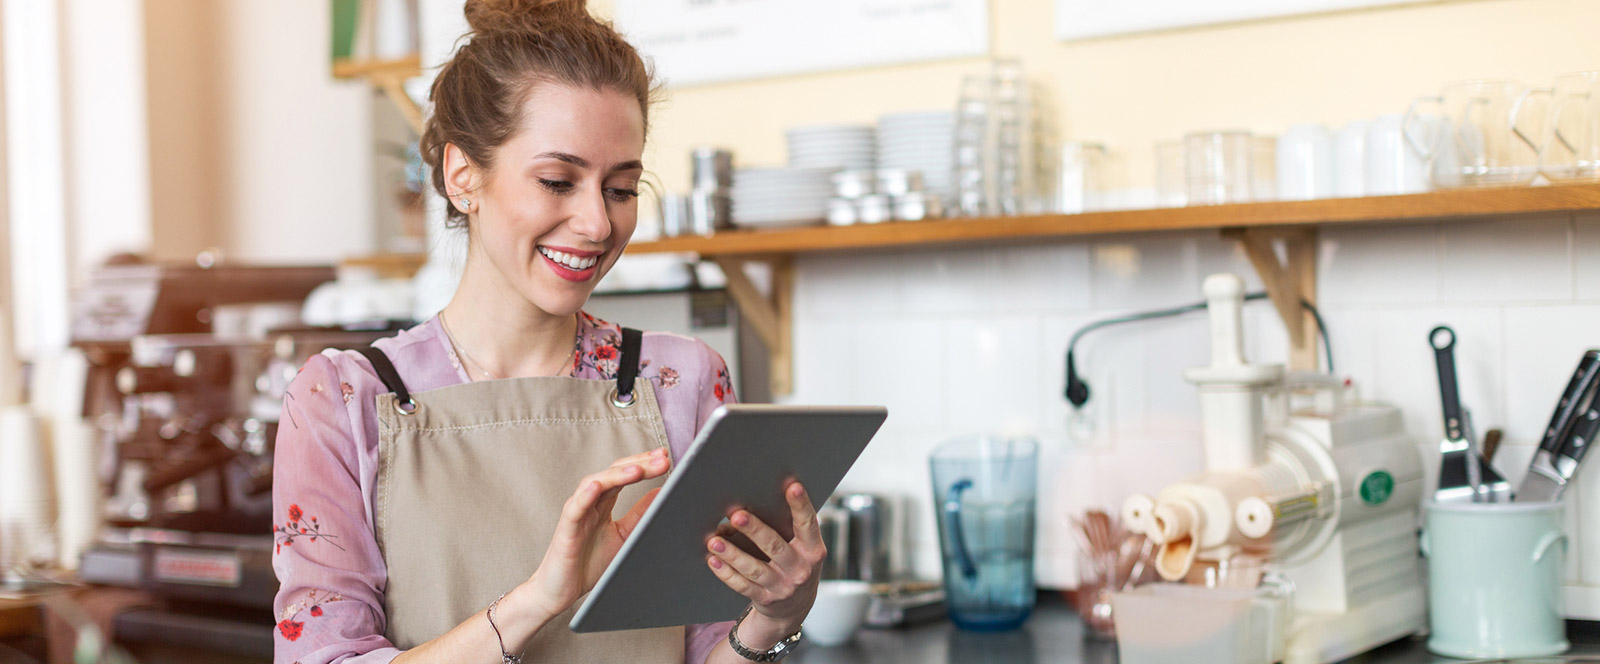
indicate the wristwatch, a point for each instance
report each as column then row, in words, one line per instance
column 777, row 652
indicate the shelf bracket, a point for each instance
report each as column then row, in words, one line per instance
column 770, row 317
column 1289, row 282
column 393, row 86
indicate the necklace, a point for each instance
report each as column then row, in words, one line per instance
column 577, row 346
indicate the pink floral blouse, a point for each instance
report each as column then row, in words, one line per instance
column 329, row 606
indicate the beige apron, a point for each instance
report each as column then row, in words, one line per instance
column 470, row 486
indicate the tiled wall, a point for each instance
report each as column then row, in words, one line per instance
column 965, row 340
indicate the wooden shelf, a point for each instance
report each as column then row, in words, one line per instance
column 1439, row 205
column 406, row 67
column 390, row 77
column 1256, row 226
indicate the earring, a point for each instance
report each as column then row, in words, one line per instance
column 466, row 204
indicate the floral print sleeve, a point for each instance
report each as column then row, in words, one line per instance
column 329, row 603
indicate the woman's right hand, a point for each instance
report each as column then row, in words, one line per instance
column 587, row 538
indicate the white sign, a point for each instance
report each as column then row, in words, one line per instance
column 1082, row 19
column 707, row 41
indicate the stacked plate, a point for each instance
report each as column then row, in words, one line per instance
column 768, row 197
column 836, row 147
column 922, row 141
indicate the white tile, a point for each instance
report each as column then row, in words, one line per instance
column 1111, row 362
column 1218, row 254
column 994, row 373
column 900, row 365
column 1407, row 374
column 824, row 362
column 1543, row 346
column 1173, row 345
column 1379, row 264
column 1354, row 336
column 1060, row 417
column 1045, row 277
column 1146, row 271
column 951, row 281
column 1508, row 260
column 833, row 286
column 1586, row 256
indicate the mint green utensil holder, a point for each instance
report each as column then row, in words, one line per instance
column 1494, row 579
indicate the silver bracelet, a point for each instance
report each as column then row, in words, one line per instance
column 505, row 657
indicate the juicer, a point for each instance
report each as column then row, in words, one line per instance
column 1324, row 491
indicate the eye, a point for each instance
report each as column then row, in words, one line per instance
column 621, row 195
column 558, row 187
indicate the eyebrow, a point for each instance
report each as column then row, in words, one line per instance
column 580, row 162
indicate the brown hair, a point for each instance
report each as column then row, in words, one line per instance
column 515, row 45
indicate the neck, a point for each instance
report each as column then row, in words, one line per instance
column 504, row 333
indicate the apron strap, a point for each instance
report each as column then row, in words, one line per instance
column 628, row 367
column 390, row 377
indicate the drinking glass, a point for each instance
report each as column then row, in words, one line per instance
column 1172, row 181
column 984, row 492
column 1568, row 143
column 1218, row 167
column 1472, row 144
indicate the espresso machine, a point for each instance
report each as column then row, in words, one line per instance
column 1297, row 543
column 187, row 370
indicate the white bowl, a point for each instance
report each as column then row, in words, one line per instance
column 837, row 613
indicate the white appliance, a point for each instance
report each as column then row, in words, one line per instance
column 1328, row 494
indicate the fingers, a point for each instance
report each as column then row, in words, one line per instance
column 806, row 528
column 628, row 522
column 601, row 486
column 759, row 533
column 643, row 458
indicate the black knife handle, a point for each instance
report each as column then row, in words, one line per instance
column 1584, row 428
column 1572, row 401
column 1443, row 340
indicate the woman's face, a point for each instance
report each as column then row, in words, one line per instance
column 562, row 199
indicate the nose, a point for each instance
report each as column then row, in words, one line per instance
column 591, row 219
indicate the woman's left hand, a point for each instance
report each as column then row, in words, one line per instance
column 784, row 586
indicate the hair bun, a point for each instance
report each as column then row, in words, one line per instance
column 519, row 17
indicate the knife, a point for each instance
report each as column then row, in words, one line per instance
column 1563, row 444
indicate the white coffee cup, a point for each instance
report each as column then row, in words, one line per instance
column 1393, row 166
column 1350, row 160
column 1305, row 163
column 840, row 607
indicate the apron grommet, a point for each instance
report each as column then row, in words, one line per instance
column 407, row 407
column 618, row 401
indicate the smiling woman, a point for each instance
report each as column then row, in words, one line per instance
column 472, row 477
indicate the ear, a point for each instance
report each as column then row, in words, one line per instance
column 460, row 178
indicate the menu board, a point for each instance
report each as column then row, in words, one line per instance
column 1082, row 19
column 709, row 41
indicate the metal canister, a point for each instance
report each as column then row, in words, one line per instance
column 712, row 168
column 870, row 554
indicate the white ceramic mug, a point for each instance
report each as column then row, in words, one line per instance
column 1393, row 166
column 1494, row 579
column 836, row 615
column 1350, row 160
column 1305, row 163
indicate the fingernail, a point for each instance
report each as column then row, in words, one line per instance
column 718, row 546
column 715, row 562
column 795, row 490
column 660, row 451
column 658, row 463
column 741, row 520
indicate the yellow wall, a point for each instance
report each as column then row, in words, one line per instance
column 1132, row 91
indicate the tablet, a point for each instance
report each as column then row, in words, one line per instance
column 743, row 457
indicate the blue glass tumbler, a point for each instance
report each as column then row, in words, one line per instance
column 984, row 490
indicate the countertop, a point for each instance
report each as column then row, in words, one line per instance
column 1054, row 634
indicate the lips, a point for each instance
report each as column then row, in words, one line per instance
column 571, row 265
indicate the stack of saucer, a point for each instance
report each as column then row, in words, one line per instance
column 766, row 197
column 920, row 142
column 834, row 147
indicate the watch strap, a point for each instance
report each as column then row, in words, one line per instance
column 777, row 652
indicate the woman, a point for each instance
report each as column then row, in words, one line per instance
column 448, row 495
